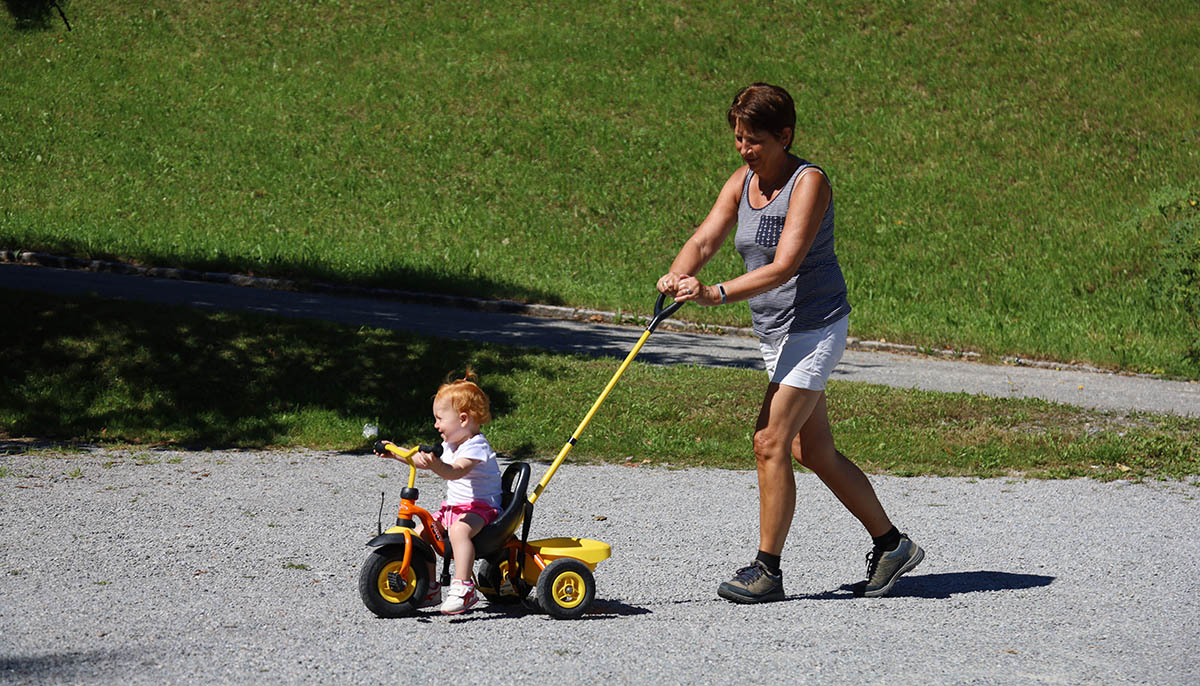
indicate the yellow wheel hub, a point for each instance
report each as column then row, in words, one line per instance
column 568, row 590
column 386, row 592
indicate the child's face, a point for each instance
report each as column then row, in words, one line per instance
column 454, row 426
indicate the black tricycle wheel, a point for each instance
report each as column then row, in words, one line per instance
column 384, row 590
column 496, row 585
column 566, row 588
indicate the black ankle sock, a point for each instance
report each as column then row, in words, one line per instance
column 771, row 561
column 888, row 541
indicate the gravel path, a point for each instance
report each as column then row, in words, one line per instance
column 211, row 567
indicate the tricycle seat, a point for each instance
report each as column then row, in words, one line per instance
column 514, row 485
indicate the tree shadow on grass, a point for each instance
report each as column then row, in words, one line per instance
column 34, row 15
column 307, row 275
column 86, row 368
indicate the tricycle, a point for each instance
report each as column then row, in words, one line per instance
column 395, row 577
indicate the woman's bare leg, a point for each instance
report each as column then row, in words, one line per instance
column 813, row 447
column 784, row 411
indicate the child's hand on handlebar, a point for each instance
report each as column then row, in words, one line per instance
column 386, row 453
column 424, row 460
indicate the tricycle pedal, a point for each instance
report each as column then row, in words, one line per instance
column 396, row 582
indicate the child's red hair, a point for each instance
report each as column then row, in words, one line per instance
column 464, row 395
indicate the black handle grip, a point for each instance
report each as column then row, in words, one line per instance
column 381, row 449
column 661, row 313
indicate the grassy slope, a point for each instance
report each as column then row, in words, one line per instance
column 992, row 164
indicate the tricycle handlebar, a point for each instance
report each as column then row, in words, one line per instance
column 386, row 446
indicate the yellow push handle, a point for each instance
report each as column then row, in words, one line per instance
column 660, row 313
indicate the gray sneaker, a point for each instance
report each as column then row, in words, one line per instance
column 884, row 567
column 753, row 584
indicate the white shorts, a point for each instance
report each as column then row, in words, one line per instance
column 805, row 359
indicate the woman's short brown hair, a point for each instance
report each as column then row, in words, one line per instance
column 763, row 107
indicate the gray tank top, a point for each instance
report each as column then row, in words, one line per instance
column 815, row 296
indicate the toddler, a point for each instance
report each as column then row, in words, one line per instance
column 468, row 464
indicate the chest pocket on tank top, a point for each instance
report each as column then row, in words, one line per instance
column 769, row 228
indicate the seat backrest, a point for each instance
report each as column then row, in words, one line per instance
column 514, row 485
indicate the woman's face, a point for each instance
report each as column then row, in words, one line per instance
column 760, row 149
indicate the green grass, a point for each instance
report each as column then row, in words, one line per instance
column 87, row 370
column 997, row 166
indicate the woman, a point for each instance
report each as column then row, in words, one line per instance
column 782, row 209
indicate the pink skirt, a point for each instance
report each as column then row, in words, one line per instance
column 448, row 514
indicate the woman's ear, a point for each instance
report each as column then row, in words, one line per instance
column 786, row 136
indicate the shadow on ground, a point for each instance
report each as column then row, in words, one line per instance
column 600, row 609
column 71, row 666
column 942, row 586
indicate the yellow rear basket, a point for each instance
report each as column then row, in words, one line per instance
column 589, row 552
column 586, row 550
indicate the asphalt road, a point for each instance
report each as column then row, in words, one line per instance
column 560, row 332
